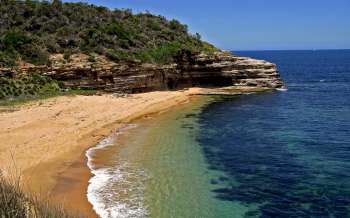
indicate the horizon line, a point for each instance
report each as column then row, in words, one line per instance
column 317, row 49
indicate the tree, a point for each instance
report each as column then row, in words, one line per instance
column 198, row 36
column 57, row 3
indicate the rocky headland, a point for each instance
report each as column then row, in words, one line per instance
column 220, row 69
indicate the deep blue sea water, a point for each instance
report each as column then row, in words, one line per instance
column 278, row 154
column 287, row 154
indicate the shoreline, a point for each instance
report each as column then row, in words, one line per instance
column 50, row 138
column 42, row 140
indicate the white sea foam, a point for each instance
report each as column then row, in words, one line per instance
column 109, row 186
column 283, row 89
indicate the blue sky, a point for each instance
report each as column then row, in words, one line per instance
column 255, row 24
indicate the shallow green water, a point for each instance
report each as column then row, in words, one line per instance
column 157, row 169
column 179, row 182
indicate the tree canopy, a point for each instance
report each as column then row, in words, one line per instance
column 32, row 30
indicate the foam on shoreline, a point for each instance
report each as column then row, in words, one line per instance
column 109, row 183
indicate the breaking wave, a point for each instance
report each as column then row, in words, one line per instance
column 117, row 190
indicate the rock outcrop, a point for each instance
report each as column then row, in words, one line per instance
column 216, row 70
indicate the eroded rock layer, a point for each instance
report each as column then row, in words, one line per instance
column 217, row 70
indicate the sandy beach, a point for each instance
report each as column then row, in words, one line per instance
column 45, row 141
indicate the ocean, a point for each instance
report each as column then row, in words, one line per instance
column 276, row 154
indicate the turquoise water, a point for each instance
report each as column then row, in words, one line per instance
column 178, row 183
column 156, row 168
column 287, row 152
column 278, row 154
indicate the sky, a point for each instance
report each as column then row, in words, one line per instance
column 255, row 24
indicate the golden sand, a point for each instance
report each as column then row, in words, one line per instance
column 45, row 140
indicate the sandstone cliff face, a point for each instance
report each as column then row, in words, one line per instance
column 218, row 70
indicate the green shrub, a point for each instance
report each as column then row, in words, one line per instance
column 118, row 29
column 13, row 40
column 154, row 25
column 32, row 30
column 29, row 86
column 177, row 26
column 34, row 54
column 18, row 43
column 208, row 48
column 166, row 53
column 118, row 55
column 7, row 60
column 161, row 54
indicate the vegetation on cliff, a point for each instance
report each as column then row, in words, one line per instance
column 32, row 30
column 28, row 86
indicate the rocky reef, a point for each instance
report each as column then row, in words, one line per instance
column 220, row 69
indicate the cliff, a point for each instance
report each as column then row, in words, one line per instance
column 220, row 69
column 92, row 47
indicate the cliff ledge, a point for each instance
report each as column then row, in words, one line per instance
column 221, row 69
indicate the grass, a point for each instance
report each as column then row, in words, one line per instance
column 11, row 103
column 14, row 203
column 14, row 92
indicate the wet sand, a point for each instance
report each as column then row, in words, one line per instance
column 71, row 188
